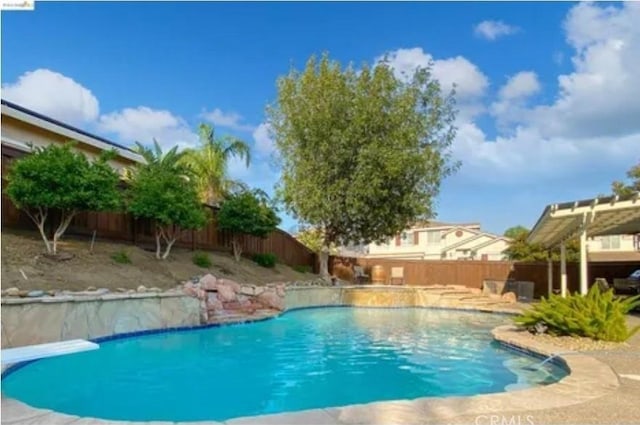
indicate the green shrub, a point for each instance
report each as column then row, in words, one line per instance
column 121, row 257
column 302, row 268
column 598, row 315
column 265, row 260
column 201, row 259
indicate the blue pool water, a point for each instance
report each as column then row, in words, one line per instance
column 304, row 359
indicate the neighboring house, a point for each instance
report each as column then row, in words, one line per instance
column 22, row 127
column 442, row 241
column 353, row 250
column 614, row 248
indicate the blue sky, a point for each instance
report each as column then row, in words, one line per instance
column 549, row 93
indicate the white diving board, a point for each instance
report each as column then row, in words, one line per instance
column 40, row 351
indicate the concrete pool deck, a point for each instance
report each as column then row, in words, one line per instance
column 600, row 389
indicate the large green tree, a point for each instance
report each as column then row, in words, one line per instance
column 521, row 250
column 247, row 213
column 362, row 152
column 163, row 190
column 622, row 189
column 209, row 164
column 58, row 178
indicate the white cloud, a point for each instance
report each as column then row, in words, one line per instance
column 230, row 120
column 469, row 80
column 143, row 124
column 601, row 97
column 512, row 98
column 262, row 140
column 526, row 157
column 521, row 85
column 492, row 30
column 591, row 126
column 470, row 83
column 53, row 94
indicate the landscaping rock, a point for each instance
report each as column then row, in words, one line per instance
column 191, row 289
column 23, row 293
column 475, row 291
column 226, row 293
column 141, row 288
column 35, row 294
column 235, row 286
column 208, row 282
column 510, row 297
column 247, row 290
column 270, row 299
column 154, row 289
column 213, row 303
column 13, row 292
column 91, row 288
column 121, row 290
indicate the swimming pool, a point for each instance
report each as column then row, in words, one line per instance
column 304, row 359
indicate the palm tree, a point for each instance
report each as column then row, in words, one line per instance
column 154, row 157
column 209, row 161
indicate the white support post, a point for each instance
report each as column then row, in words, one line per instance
column 563, row 269
column 584, row 288
column 549, row 275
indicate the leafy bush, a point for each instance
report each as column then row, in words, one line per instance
column 247, row 213
column 58, row 177
column 201, row 259
column 598, row 315
column 302, row 268
column 121, row 257
column 164, row 191
column 265, row 260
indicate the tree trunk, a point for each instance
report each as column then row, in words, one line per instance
column 324, row 262
column 40, row 219
column 237, row 247
column 158, row 243
column 168, row 250
column 62, row 227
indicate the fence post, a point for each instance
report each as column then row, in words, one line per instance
column 193, row 240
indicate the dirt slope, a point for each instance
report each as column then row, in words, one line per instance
column 22, row 254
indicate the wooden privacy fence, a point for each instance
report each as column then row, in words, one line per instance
column 125, row 228
column 473, row 273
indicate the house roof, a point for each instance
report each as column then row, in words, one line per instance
column 610, row 215
column 27, row 115
column 443, row 225
column 492, row 239
column 466, row 229
column 491, row 242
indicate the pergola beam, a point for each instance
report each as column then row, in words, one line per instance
column 582, row 219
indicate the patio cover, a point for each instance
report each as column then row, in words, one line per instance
column 558, row 223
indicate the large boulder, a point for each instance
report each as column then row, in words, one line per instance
column 235, row 286
column 226, row 293
column 214, row 305
column 270, row 299
column 189, row 289
column 208, row 282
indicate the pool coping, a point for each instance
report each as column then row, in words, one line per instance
column 588, row 379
